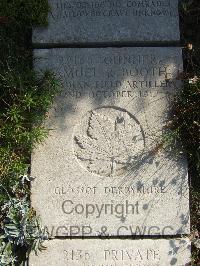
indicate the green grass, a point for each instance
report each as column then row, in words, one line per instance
column 187, row 125
column 187, row 112
column 25, row 97
column 27, row 12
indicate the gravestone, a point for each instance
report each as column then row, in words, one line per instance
column 97, row 21
column 115, row 252
column 107, row 185
column 103, row 168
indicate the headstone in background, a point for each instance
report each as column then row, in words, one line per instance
column 114, row 252
column 112, row 21
column 103, row 169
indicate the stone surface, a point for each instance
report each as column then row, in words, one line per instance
column 114, row 252
column 97, row 21
column 103, row 169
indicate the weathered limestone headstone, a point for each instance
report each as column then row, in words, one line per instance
column 102, row 169
column 116, row 252
column 105, row 171
column 98, row 21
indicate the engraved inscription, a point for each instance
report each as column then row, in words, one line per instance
column 114, row 255
column 106, row 170
column 114, row 8
column 141, row 75
column 108, row 141
column 110, row 190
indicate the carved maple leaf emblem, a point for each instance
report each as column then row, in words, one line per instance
column 110, row 143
